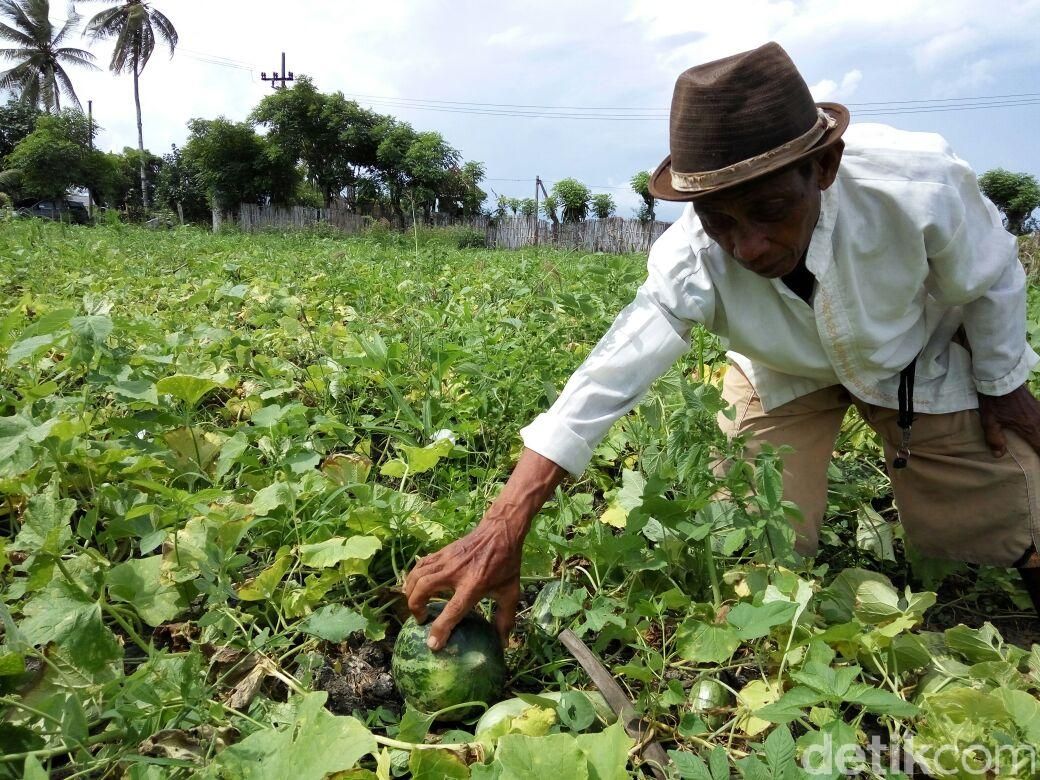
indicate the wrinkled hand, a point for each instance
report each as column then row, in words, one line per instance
column 485, row 562
column 1017, row 411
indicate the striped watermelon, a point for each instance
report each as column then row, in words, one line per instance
column 470, row 667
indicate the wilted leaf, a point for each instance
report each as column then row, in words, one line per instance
column 339, row 549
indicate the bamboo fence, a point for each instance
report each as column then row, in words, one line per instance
column 614, row 235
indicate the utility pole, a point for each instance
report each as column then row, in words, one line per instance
column 278, row 79
column 90, row 141
column 537, row 184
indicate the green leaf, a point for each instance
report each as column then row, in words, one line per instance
column 355, row 550
column 59, row 613
column 779, row 752
column 313, row 745
column 791, row 705
column 689, row 765
column 29, row 347
column 140, row 583
column 718, row 763
column 263, row 585
column 422, row 459
column 270, row 498
column 877, row 602
column 436, row 765
column 825, row 753
column 46, row 529
column 838, row 602
column 874, row 534
column 414, row 725
column 752, row 622
column 92, row 328
column 135, row 390
column 551, row 756
column 33, row 770
column 333, row 623
column 607, row 752
column 11, row 664
column 975, row 644
column 1024, row 711
column 186, row 387
column 705, row 642
column 879, row 701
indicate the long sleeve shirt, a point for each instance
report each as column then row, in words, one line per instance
column 905, row 252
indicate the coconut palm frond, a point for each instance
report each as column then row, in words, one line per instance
column 8, row 33
column 38, row 74
column 166, row 30
column 62, row 78
column 77, row 57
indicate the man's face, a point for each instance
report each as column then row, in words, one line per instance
column 767, row 224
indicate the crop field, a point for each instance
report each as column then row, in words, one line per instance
column 220, row 455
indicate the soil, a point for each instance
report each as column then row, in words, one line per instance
column 357, row 678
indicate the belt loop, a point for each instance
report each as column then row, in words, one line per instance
column 906, row 414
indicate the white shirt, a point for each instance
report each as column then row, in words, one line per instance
column 906, row 250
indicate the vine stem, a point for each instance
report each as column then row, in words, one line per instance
column 108, row 736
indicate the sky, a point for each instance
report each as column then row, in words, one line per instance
column 914, row 64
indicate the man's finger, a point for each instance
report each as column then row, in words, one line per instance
column 423, row 587
column 461, row 603
column 505, row 611
column 424, row 567
column 994, row 434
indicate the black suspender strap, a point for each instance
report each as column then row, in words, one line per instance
column 906, row 413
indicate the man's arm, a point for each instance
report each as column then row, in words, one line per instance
column 486, row 561
column 976, row 266
column 643, row 342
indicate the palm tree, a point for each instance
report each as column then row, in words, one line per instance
column 134, row 25
column 38, row 77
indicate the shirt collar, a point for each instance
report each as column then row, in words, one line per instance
column 821, row 252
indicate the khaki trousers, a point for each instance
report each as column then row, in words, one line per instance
column 955, row 500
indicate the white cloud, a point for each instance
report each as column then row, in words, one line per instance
column 829, row 90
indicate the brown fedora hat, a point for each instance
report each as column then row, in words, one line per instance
column 739, row 118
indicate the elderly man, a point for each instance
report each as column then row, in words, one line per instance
column 841, row 266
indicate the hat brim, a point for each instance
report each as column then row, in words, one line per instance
column 660, row 183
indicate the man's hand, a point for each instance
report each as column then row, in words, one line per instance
column 485, row 562
column 1018, row 411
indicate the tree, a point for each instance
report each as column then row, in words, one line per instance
column 135, row 26
column 574, row 197
column 527, row 207
column 1017, row 195
column 603, row 205
column 17, row 120
column 179, row 187
column 427, row 165
column 39, row 75
column 550, row 207
column 235, row 165
column 460, row 194
column 330, row 135
column 641, row 184
column 54, row 157
column 394, row 139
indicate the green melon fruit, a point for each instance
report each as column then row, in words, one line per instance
column 513, row 708
column 470, row 667
column 709, row 699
